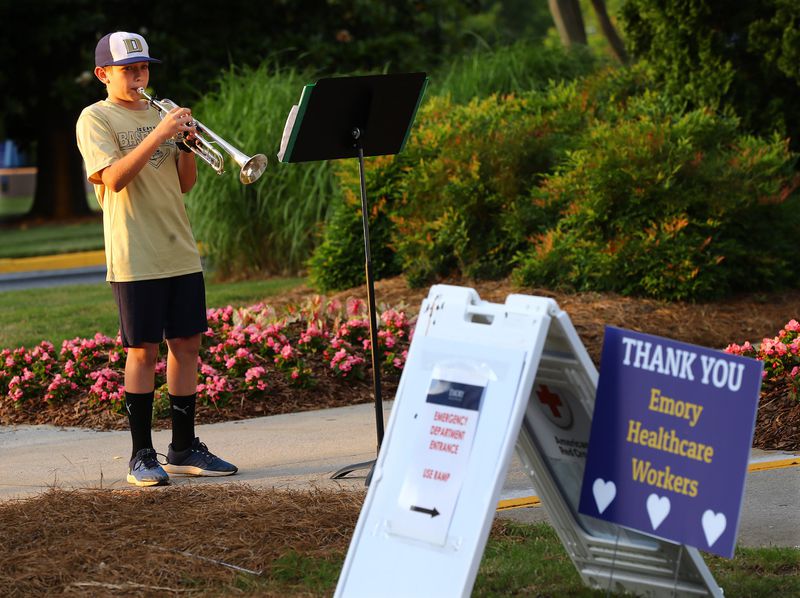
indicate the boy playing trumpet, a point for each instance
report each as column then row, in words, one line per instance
column 152, row 261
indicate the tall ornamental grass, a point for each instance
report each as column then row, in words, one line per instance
column 512, row 69
column 267, row 226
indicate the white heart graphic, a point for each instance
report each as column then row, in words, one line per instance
column 604, row 492
column 713, row 525
column 658, row 509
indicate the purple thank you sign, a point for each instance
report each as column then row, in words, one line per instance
column 670, row 440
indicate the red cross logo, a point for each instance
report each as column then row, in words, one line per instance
column 550, row 399
column 556, row 409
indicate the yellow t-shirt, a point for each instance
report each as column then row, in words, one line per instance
column 145, row 226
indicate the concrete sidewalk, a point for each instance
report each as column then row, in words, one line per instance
column 303, row 449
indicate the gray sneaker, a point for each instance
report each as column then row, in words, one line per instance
column 145, row 470
column 197, row 460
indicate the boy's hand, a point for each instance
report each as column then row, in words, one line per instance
column 187, row 143
column 174, row 122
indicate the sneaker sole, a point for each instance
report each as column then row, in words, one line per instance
column 195, row 471
column 143, row 483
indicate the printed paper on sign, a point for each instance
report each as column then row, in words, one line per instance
column 441, row 450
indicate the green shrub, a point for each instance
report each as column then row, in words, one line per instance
column 668, row 206
column 339, row 262
column 467, row 172
column 274, row 225
column 450, row 202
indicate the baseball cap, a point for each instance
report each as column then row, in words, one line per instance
column 121, row 47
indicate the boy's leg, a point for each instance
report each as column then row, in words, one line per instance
column 186, row 454
column 140, row 368
column 186, row 324
column 182, row 385
column 144, row 469
column 141, row 308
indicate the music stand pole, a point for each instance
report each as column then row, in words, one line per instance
column 349, row 117
column 373, row 317
column 373, row 321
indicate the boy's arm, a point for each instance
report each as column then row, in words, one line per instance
column 187, row 171
column 117, row 176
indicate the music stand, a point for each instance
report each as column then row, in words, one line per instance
column 355, row 117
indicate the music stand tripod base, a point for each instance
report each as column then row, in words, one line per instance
column 348, row 469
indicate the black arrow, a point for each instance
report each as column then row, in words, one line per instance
column 432, row 512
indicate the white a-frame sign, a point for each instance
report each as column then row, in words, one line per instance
column 481, row 378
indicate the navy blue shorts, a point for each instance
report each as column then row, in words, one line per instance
column 165, row 308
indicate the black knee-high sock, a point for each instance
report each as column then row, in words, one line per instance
column 182, row 409
column 140, row 418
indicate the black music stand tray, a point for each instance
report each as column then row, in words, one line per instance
column 354, row 117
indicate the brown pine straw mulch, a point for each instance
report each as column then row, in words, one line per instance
column 175, row 540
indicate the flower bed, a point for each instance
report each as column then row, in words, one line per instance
column 247, row 354
column 255, row 362
column 781, row 357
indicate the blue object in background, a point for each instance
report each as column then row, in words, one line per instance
column 10, row 156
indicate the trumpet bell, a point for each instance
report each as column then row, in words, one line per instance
column 252, row 169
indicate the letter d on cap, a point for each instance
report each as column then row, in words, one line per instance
column 132, row 45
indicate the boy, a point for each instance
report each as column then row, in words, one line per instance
column 139, row 176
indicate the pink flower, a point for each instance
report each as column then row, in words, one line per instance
column 343, row 363
column 254, row 373
column 253, row 378
column 333, row 307
column 355, row 306
column 207, row 370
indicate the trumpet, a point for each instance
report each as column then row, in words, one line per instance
column 251, row 167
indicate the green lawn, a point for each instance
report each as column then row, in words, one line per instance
column 49, row 239
column 529, row 560
column 15, row 206
column 29, row 316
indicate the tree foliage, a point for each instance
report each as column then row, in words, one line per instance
column 740, row 58
column 48, row 48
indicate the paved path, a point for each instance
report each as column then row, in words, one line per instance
column 303, row 449
column 84, row 267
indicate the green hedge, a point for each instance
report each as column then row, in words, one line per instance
column 450, row 201
column 668, row 206
column 274, row 225
column 591, row 185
